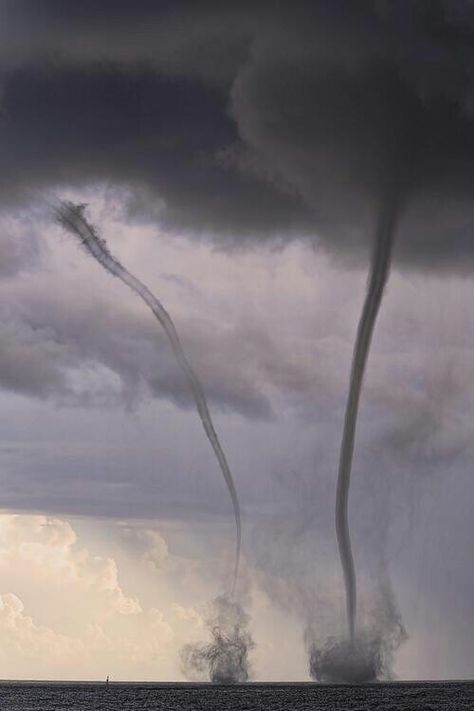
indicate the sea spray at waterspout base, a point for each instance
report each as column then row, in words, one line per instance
column 72, row 218
column 370, row 655
column 225, row 659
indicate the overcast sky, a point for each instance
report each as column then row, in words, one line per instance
column 236, row 158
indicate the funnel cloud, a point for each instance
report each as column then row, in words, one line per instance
column 71, row 217
column 379, row 273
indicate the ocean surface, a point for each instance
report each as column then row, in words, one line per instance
column 410, row 696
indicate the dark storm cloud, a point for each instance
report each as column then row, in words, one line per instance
column 206, row 41
column 164, row 136
column 359, row 104
column 261, row 119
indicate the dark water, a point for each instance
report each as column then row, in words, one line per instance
column 277, row 697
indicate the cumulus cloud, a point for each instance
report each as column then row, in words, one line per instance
column 150, row 544
column 63, row 608
column 46, row 549
column 25, row 641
